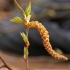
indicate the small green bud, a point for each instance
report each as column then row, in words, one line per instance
column 24, row 37
column 28, row 9
column 25, row 53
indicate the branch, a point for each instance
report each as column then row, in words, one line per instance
column 27, row 66
column 5, row 65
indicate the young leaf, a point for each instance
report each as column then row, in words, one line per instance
column 24, row 37
column 28, row 17
column 20, row 8
column 25, row 53
column 16, row 20
column 28, row 9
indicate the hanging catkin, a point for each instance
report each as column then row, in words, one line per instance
column 45, row 38
column 43, row 32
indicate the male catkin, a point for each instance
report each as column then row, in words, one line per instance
column 45, row 39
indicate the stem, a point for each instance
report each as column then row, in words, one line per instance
column 5, row 65
column 27, row 66
column 2, row 66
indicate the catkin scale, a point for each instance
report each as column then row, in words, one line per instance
column 45, row 38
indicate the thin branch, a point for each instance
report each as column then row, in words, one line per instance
column 5, row 65
column 27, row 66
column 2, row 66
column 27, row 32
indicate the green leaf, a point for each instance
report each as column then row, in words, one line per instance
column 58, row 51
column 20, row 8
column 24, row 37
column 16, row 20
column 28, row 9
column 25, row 52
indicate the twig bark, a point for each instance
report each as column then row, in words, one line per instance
column 5, row 65
column 27, row 66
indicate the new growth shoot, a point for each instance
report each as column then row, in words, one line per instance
column 41, row 29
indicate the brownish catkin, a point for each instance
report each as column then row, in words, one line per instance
column 45, row 39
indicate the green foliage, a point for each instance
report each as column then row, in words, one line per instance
column 28, row 9
column 16, row 20
column 26, row 13
column 24, row 37
column 58, row 51
column 25, row 52
column 19, row 7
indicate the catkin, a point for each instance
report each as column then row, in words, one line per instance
column 45, row 39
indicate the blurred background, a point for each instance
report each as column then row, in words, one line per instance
column 54, row 15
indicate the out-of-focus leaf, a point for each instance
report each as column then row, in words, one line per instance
column 24, row 37
column 28, row 9
column 16, row 20
column 58, row 51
